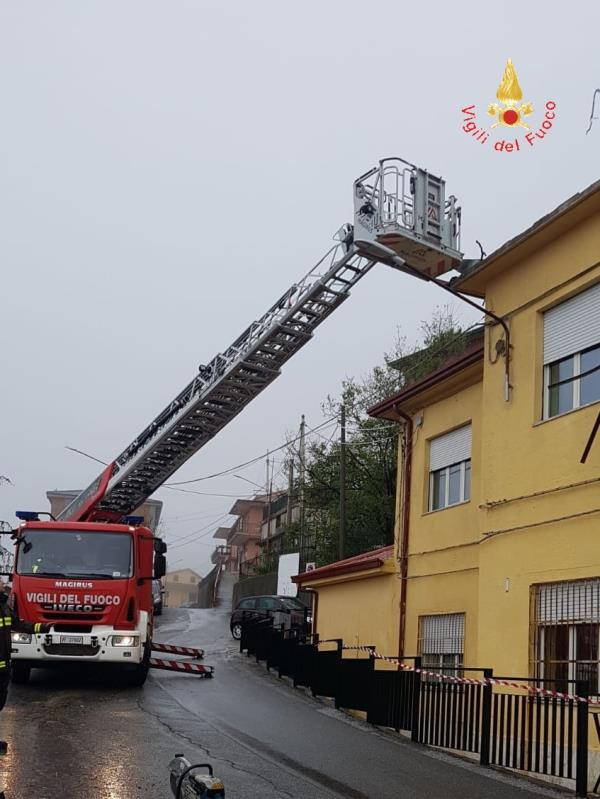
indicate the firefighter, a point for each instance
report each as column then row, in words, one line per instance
column 8, row 623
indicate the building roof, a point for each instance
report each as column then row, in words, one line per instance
column 223, row 532
column 181, row 571
column 471, row 278
column 363, row 562
column 241, row 506
column 453, row 366
column 438, row 354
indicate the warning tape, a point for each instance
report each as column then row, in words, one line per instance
column 532, row 689
column 183, row 666
column 198, row 654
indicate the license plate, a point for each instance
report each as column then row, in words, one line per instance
column 71, row 639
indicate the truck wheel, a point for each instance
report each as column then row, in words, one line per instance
column 20, row 673
column 136, row 677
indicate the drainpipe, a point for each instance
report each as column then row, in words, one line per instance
column 404, row 523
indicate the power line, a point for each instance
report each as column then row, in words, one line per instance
column 247, row 463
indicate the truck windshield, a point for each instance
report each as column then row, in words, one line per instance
column 74, row 553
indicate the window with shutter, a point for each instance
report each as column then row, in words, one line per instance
column 572, row 353
column 450, row 468
column 441, row 642
column 565, row 635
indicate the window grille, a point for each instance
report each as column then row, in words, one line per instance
column 565, row 634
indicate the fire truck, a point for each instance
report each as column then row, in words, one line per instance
column 88, row 572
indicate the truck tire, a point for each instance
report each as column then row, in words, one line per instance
column 20, row 673
column 136, row 676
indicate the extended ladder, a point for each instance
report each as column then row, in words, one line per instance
column 222, row 388
column 396, row 204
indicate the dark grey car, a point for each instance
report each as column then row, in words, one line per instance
column 291, row 611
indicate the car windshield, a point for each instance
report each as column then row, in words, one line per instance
column 293, row 604
column 75, row 553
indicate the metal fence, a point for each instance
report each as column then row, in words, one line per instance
column 539, row 734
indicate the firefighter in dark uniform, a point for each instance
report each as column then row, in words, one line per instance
column 8, row 623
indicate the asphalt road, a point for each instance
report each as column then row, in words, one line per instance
column 71, row 737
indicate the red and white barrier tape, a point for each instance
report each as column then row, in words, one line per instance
column 181, row 665
column 532, row 689
column 178, row 650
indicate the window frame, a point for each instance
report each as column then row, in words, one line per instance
column 446, row 470
column 435, row 660
column 569, row 606
column 575, row 381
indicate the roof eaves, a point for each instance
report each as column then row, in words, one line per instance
column 449, row 370
column 536, row 227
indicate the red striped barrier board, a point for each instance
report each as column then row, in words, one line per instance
column 197, row 654
column 183, row 666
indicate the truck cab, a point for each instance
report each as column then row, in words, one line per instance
column 92, row 582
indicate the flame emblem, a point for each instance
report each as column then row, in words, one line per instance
column 509, row 112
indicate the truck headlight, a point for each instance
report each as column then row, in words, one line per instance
column 125, row 640
column 21, row 638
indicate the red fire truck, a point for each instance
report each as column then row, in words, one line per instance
column 92, row 581
column 89, row 571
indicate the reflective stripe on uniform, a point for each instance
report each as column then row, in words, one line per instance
column 2, row 664
column 36, row 628
column 5, row 621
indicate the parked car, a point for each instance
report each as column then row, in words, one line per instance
column 283, row 608
column 157, row 597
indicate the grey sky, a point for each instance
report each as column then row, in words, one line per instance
column 169, row 168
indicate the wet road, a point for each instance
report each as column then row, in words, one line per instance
column 71, row 737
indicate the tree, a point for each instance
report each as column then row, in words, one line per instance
column 371, row 448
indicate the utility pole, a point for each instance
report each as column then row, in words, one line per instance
column 268, row 493
column 302, row 478
column 290, row 496
column 342, row 538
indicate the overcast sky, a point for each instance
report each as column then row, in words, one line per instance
column 168, row 169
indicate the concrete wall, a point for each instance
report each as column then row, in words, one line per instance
column 255, row 586
column 206, row 589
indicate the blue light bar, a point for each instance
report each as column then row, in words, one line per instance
column 27, row 515
column 133, row 520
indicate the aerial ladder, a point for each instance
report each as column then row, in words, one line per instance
column 397, row 205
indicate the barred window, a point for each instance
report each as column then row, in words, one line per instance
column 565, row 633
column 441, row 642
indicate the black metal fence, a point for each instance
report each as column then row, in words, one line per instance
column 541, row 734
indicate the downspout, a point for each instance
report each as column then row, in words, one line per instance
column 404, row 523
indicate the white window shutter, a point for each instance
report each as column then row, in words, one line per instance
column 450, row 448
column 572, row 326
column 442, row 635
column 568, row 602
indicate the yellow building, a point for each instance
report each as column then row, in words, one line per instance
column 497, row 559
column 181, row 588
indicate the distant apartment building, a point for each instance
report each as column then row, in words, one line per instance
column 150, row 510
column 242, row 537
column 181, row 588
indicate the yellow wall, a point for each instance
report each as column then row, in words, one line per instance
column 522, row 454
column 362, row 611
column 469, row 558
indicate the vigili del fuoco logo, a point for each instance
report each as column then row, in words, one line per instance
column 510, row 112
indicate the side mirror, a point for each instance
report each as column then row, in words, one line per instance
column 27, row 546
column 160, row 546
column 160, row 565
